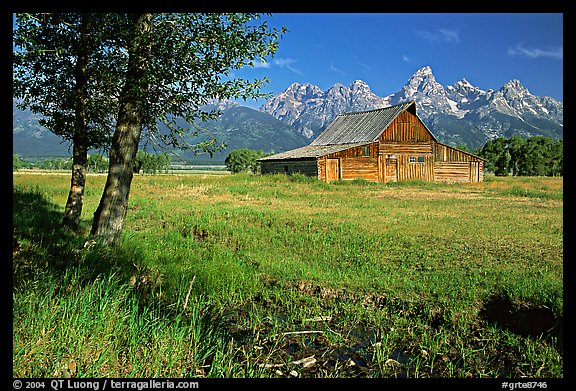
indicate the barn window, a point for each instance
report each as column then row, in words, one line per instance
column 366, row 151
column 412, row 159
column 420, row 159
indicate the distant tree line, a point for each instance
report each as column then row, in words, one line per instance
column 145, row 163
column 518, row 156
column 244, row 160
column 148, row 163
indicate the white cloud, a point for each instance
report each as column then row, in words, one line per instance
column 261, row 64
column 520, row 50
column 365, row 66
column 405, row 58
column 287, row 62
column 440, row 36
column 450, row 36
column 333, row 68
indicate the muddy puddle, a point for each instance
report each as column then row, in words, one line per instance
column 324, row 347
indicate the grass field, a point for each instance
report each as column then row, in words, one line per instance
column 276, row 276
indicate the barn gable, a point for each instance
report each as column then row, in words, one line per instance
column 364, row 126
column 381, row 145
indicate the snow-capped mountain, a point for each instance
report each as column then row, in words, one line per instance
column 309, row 109
column 431, row 98
column 460, row 113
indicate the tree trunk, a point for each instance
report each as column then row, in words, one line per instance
column 111, row 212
column 73, row 209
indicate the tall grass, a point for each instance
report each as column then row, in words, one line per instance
column 224, row 276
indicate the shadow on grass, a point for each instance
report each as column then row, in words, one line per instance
column 40, row 244
column 44, row 250
column 527, row 321
column 49, row 259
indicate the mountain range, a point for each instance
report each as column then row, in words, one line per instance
column 458, row 114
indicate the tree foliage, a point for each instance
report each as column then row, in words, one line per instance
column 66, row 68
column 177, row 63
column 534, row 156
column 97, row 163
column 244, row 160
column 89, row 74
column 47, row 49
column 192, row 59
column 18, row 162
column 148, row 163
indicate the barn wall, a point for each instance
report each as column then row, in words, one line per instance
column 360, row 167
column 353, row 164
column 307, row 167
column 408, row 170
column 453, row 165
column 445, row 153
column 406, row 127
column 452, row 171
column 354, row 152
column 321, row 164
column 393, row 148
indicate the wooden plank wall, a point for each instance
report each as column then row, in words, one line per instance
column 321, row 164
column 359, row 167
column 453, row 165
column 392, row 148
column 423, row 171
column 389, row 167
column 354, row 152
column 352, row 164
column 307, row 167
column 406, row 127
column 444, row 153
column 452, row 172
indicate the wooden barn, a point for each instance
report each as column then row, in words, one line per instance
column 381, row 145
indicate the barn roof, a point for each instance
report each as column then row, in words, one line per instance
column 311, row 151
column 363, row 126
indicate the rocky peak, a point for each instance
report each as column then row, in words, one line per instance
column 359, row 86
column 514, row 87
column 423, row 72
column 302, row 91
column 423, row 81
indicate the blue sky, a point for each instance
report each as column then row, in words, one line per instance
column 384, row 50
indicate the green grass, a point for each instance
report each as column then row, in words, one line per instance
column 223, row 276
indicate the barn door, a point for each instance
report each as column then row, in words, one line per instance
column 391, row 172
column 332, row 170
column 474, row 172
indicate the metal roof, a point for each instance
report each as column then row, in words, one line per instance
column 360, row 127
column 311, row 151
